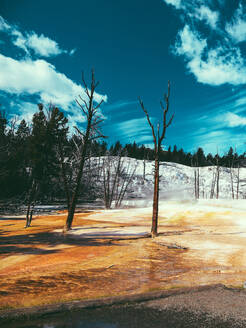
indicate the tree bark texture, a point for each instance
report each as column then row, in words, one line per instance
column 74, row 199
column 155, row 200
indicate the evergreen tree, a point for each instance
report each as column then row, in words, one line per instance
column 169, row 154
column 230, row 157
column 4, row 151
column 210, row 159
column 116, row 149
column 200, row 158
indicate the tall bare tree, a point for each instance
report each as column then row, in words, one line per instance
column 92, row 132
column 158, row 137
column 217, row 176
column 213, row 182
column 238, row 179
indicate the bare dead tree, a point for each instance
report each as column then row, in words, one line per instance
column 92, row 132
column 31, row 202
column 232, row 183
column 197, row 182
column 232, row 176
column 126, row 177
column 235, row 193
column 213, row 185
column 217, row 181
column 158, row 137
column 144, row 169
column 110, row 171
column 117, row 177
column 238, row 179
column 146, row 158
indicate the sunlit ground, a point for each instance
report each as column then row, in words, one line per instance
column 108, row 253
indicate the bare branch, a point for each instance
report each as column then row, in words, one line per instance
column 78, row 130
column 76, row 145
column 82, row 108
column 85, row 85
column 165, row 111
column 84, row 101
column 99, row 104
column 170, row 121
column 148, row 119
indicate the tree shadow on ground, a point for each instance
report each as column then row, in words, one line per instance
column 34, row 243
column 12, row 219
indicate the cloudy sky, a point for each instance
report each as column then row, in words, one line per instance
column 135, row 47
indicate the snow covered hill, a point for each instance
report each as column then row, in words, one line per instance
column 178, row 181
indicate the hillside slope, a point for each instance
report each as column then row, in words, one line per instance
column 178, row 181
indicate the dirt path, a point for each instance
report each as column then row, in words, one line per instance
column 104, row 257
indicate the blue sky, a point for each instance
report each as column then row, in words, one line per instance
column 135, row 47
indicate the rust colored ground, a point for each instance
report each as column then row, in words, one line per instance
column 39, row 266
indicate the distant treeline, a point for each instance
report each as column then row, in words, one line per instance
column 198, row 158
column 32, row 152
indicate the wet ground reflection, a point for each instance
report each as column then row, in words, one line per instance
column 128, row 316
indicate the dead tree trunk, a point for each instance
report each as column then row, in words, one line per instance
column 195, row 183
column 93, row 120
column 144, row 168
column 31, row 202
column 63, row 172
column 232, row 183
column 198, row 183
column 232, row 177
column 158, row 137
column 238, row 180
column 213, row 185
column 78, row 181
column 217, row 182
column 155, row 199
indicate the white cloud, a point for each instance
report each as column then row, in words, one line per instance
column 41, row 79
column 237, row 28
column 189, row 43
column 175, row 3
column 134, row 126
column 217, row 138
column 206, row 14
column 211, row 63
column 197, row 10
column 19, row 40
column 71, row 52
column 240, row 104
column 215, row 66
column 233, row 120
column 135, row 129
column 23, row 110
column 219, row 68
column 4, row 26
column 120, row 104
column 41, row 45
